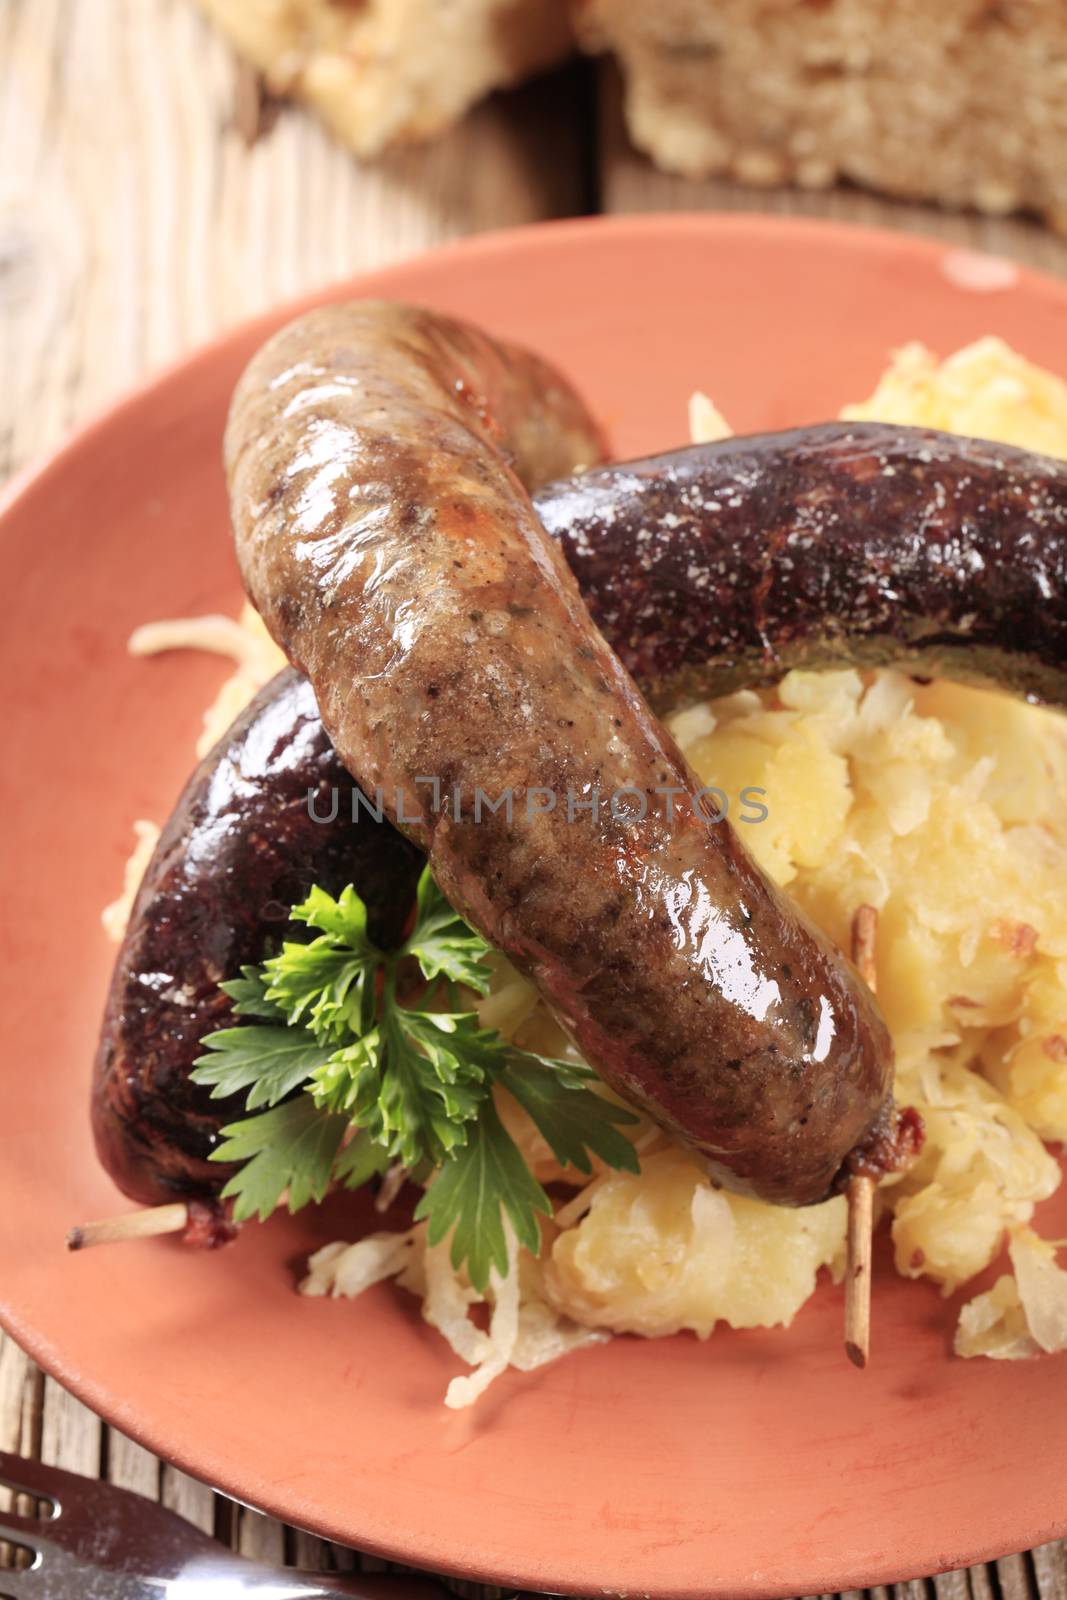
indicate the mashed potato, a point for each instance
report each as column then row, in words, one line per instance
column 878, row 795
column 665, row 1250
column 941, row 806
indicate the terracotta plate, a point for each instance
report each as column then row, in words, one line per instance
column 756, row 1464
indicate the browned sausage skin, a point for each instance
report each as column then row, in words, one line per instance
column 699, row 568
column 242, row 846
column 395, row 556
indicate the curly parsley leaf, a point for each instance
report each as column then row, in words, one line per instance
column 328, row 989
column 343, row 917
column 328, row 984
column 573, row 1120
column 292, row 1147
column 479, row 1184
column 349, row 1078
column 267, row 1060
column 443, row 944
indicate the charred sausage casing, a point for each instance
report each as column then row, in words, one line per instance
column 376, row 458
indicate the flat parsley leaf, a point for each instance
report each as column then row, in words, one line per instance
column 480, row 1183
column 407, row 1084
column 359, row 1161
column 572, row 1119
column 414, row 1082
column 443, row 944
column 268, row 1060
column 249, row 996
column 329, row 984
column 441, row 1064
column 291, row 1147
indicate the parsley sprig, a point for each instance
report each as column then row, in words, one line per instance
column 346, row 1077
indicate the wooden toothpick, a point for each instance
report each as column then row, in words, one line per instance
column 860, row 1192
column 173, row 1218
column 864, row 937
column 858, row 1271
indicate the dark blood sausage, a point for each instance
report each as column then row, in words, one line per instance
column 376, row 458
column 239, row 850
column 721, row 566
column 712, row 568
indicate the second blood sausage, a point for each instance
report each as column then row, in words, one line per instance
column 239, row 850
column 376, row 457
column 721, row 566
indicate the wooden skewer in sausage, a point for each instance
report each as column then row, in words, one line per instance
column 860, row 1191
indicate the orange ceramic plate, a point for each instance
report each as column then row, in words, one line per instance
column 757, row 1464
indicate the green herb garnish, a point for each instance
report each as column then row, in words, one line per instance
column 355, row 1078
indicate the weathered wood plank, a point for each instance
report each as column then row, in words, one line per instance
column 1013, row 1576
column 189, row 1498
column 1050, row 1570
column 130, row 1465
column 137, row 221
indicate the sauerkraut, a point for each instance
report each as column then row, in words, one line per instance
column 879, row 792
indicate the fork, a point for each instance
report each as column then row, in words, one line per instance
column 96, row 1542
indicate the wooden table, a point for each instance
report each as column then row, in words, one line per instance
column 136, row 221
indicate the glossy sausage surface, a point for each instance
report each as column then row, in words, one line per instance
column 708, row 569
column 394, row 554
column 721, row 566
column 240, row 848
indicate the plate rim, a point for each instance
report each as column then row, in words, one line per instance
column 882, row 242
column 864, row 239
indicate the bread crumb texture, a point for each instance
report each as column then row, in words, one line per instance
column 384, row 72
column 963, row 102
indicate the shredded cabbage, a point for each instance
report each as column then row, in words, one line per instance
column 937, row 804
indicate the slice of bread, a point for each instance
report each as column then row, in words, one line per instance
column 958, row 101
column 383, row 72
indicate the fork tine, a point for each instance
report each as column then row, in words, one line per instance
column 31, row 1477
column 21, row 1534
column 27, row 1529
